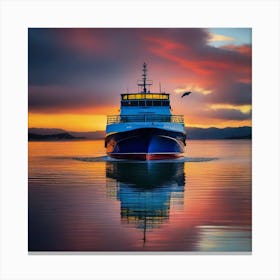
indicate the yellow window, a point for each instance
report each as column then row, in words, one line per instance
column 140, row 96
column 130, row 96
column 149, row 96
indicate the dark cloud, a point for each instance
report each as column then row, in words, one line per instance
column 60, row 99
column 236, row 94
column 230, row 114
column 51, row 62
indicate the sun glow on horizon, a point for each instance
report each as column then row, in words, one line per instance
column 224, row 124
column 70, row 122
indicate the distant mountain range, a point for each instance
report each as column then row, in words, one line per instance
column 56, row 136
column 53, row 134
column 244, row 132
column 36, row 134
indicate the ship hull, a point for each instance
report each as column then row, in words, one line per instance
column 145, row 144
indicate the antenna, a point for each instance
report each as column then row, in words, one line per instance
column 144, row 81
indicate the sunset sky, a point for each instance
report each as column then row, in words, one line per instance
column 76, row 75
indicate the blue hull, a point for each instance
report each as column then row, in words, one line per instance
column 145, row 143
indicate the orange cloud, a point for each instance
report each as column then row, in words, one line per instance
column 243, row 49
column 242, row 108
column 196, row 61
column 165, row 43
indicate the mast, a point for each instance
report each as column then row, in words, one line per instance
column 144, row 76
column 144, row 83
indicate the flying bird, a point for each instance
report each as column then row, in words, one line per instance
column 186, row 93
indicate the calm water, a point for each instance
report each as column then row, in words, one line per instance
column 79, row 200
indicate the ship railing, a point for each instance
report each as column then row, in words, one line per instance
column 115, row 119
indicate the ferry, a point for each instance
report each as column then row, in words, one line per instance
column 145, row 129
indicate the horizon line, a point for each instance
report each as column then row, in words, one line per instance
column 82, row 131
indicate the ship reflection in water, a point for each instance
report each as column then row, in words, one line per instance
column 145, row 190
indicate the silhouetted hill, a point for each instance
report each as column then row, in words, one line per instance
column 58, row 136
column 244, row 132
column 79, row 135
column 46, row 131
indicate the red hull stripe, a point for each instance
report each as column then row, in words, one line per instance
column 145, row 156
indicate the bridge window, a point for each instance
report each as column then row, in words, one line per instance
column 165, row 103
column 156, row 103
column 133, row 103
column 124, row 103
